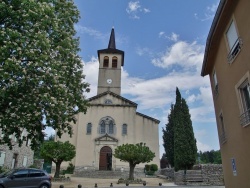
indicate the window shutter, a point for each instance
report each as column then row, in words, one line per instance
column 232, row 35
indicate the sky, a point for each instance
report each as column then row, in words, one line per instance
column 164, row 43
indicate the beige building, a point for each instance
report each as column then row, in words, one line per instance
column 111, row 120
column 227, row 62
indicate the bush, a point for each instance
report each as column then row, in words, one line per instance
column 70, row 169
column 147, row 167
column 153, row 167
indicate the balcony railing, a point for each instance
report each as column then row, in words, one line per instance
column 245, row 118
column 234, row 50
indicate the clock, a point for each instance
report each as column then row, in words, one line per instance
column 109, row 81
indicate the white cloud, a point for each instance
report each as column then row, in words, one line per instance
column 173, row 37
column 203, row 147
column 208, row 14
column 90, row 31
column 142, row 51
column 187, row 55
column 134, row 8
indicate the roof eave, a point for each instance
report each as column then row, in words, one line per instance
column 210, row 36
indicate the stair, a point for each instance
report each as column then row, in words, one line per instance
column 193, row 177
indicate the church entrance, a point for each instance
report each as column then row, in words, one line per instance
column 105, row 162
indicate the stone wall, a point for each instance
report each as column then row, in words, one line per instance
column 212, row 174
column 209, row 174
column 23, row 153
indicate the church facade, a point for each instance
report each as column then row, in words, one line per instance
column 111, row 120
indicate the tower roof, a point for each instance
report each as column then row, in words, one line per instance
column 111, row 47
column 112, row 40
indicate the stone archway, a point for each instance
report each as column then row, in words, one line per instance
column 105, row 161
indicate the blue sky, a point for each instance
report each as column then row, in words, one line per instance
column 164, row 45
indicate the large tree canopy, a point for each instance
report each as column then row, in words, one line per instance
column 57, row 152
column 41, row 76
column 134, row 154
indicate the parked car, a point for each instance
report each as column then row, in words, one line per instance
column 25, row 178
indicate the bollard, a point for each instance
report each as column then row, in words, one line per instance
column 96, row 185
column 111, row 184
column 61, row 186
column 127, row 184
column 79, row 186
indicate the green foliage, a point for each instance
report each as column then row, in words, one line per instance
column 213, row 157
column 70, row 169
column 57, row 152
column 33, row 166
column 147, row 167
column 153, row 167
column 178, row 137
column 41, row 74
column 134, row 154
column 168, row 137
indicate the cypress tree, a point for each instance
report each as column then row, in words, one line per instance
column 178, row 138
column 168, row 137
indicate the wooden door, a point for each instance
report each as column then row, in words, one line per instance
column 105, row 162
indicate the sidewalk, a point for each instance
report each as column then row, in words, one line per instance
column 90, row 182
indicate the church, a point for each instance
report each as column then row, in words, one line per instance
column 111, row 120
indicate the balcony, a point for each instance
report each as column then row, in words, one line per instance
column 245, row 118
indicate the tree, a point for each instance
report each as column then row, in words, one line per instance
column 41, row 76
column 134, row 154
column 168, row 138
column 178, row 138
column 58, row 152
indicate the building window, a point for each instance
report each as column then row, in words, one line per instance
column 111, row 127
column 244, row 91
column 102, row 127
column 108, row 101
column 106, row 61
column 107, row 125
column 124, row 129
column 222, row 130
column 234, row 42
column 89, row 128
column 216, row 88
column 114, row 62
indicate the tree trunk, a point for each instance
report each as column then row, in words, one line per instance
column 57, row 172
column 131, row 171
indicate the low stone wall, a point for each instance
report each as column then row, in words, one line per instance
column 212, row 174
column 168, row 173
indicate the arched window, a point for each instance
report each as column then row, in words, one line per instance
column 107, row 125
column 124, row 129
column 111, row 128
column 106, row 61
column 89, row 128
column 102, row 127
column 114, row 62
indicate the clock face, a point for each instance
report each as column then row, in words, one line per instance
column 109, row 81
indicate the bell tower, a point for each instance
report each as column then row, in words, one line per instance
column 110, row 62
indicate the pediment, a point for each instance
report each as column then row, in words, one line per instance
column 110, row 99
column 106, row 137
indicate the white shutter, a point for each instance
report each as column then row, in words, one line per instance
column 232, row 35
column 25, row 161
column 2, row 158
